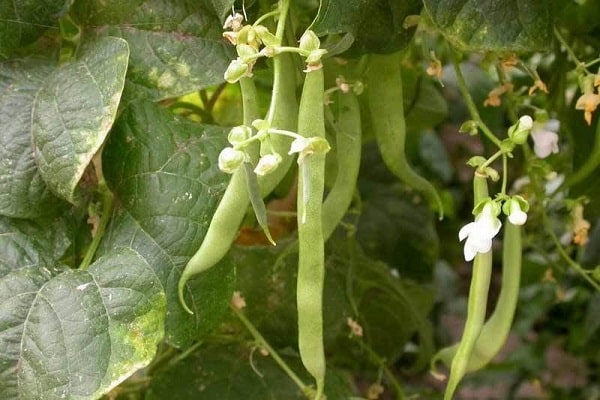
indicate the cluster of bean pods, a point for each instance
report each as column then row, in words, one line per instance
column 261, row 152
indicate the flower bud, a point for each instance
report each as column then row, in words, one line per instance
column 238, row 134
column 515, row 208
column 309, row 41
column 266, row 37
column 237, row 70
column 230, row 159
column 246, row 53
column 267, row 164
column 519, row 132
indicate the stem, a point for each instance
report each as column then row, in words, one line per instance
column 491, row 159
column 263, row 343
column 462, row 84
column 107, row 208
column 265, row 16
column 380, row 361
column 285, row 133
column 572, row 263
column 284, row 7
column 569, row 50
column 504, row 173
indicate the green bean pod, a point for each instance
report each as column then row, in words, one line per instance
column 348, row 148
column 477, row 304
column 231, row 210
column 386, row 105
column 496, row 329
column 311, row 264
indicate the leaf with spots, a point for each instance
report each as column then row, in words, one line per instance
column 176, row 45
column 23, row 192
column 66, row 333
column 74, row 110
column 164, row 173
column 494, row 25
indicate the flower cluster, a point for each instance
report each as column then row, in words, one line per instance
column 479, row 234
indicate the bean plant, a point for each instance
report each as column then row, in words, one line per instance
column 303, row 199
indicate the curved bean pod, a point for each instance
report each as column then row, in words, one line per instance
column 311, row 264
column 384, row 90
column 348, row 148
column 230, row 212
column 476, row 308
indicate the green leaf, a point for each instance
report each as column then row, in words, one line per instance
column 164, row 172
column 176, row 45
column 23, row 21
column 23, row 193
column 494, row 25
column 72, row 334
column 74, row 110
column 236, row 372
column 377, row 25
column 31, row 244
column 397, row 227
column 390, row 310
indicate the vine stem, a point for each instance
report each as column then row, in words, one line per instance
column 107, row 200
column 381, row 363
column 462, row 84
column 572, row 263
column 263, row 343
column 570, row 51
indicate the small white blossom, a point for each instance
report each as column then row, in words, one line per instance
column 545, row 139
column 479, row 234
column 516, row 215
column 267, row 164
column 230, row 159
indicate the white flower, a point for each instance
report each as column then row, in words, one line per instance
column 545, row 139
column 267, row 164
column 525, row 122
column 307, row 146
column 516, row 215
column 479, row 234
column 230, row 159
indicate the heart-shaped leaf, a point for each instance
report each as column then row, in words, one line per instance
column 176, row 45
column 165, row 175
column 23, row 193
column 74, row 110
column 67, row 333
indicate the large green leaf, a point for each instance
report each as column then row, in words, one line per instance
column 72, row 334
column 164, row 173
column 376, row 25
column 390, row 310
column 176, row 45
column 23, row 21
column 23, row 193
column 235, row 373
column 494, row 25
column 74, row 110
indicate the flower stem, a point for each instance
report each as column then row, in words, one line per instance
column 462, row 84
column 263, row 343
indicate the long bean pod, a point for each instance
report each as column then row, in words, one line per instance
column 348, row 139
column 311, row 264
column 230, row 212
column 496, row 329
column 386, row 105
column 477, row 304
